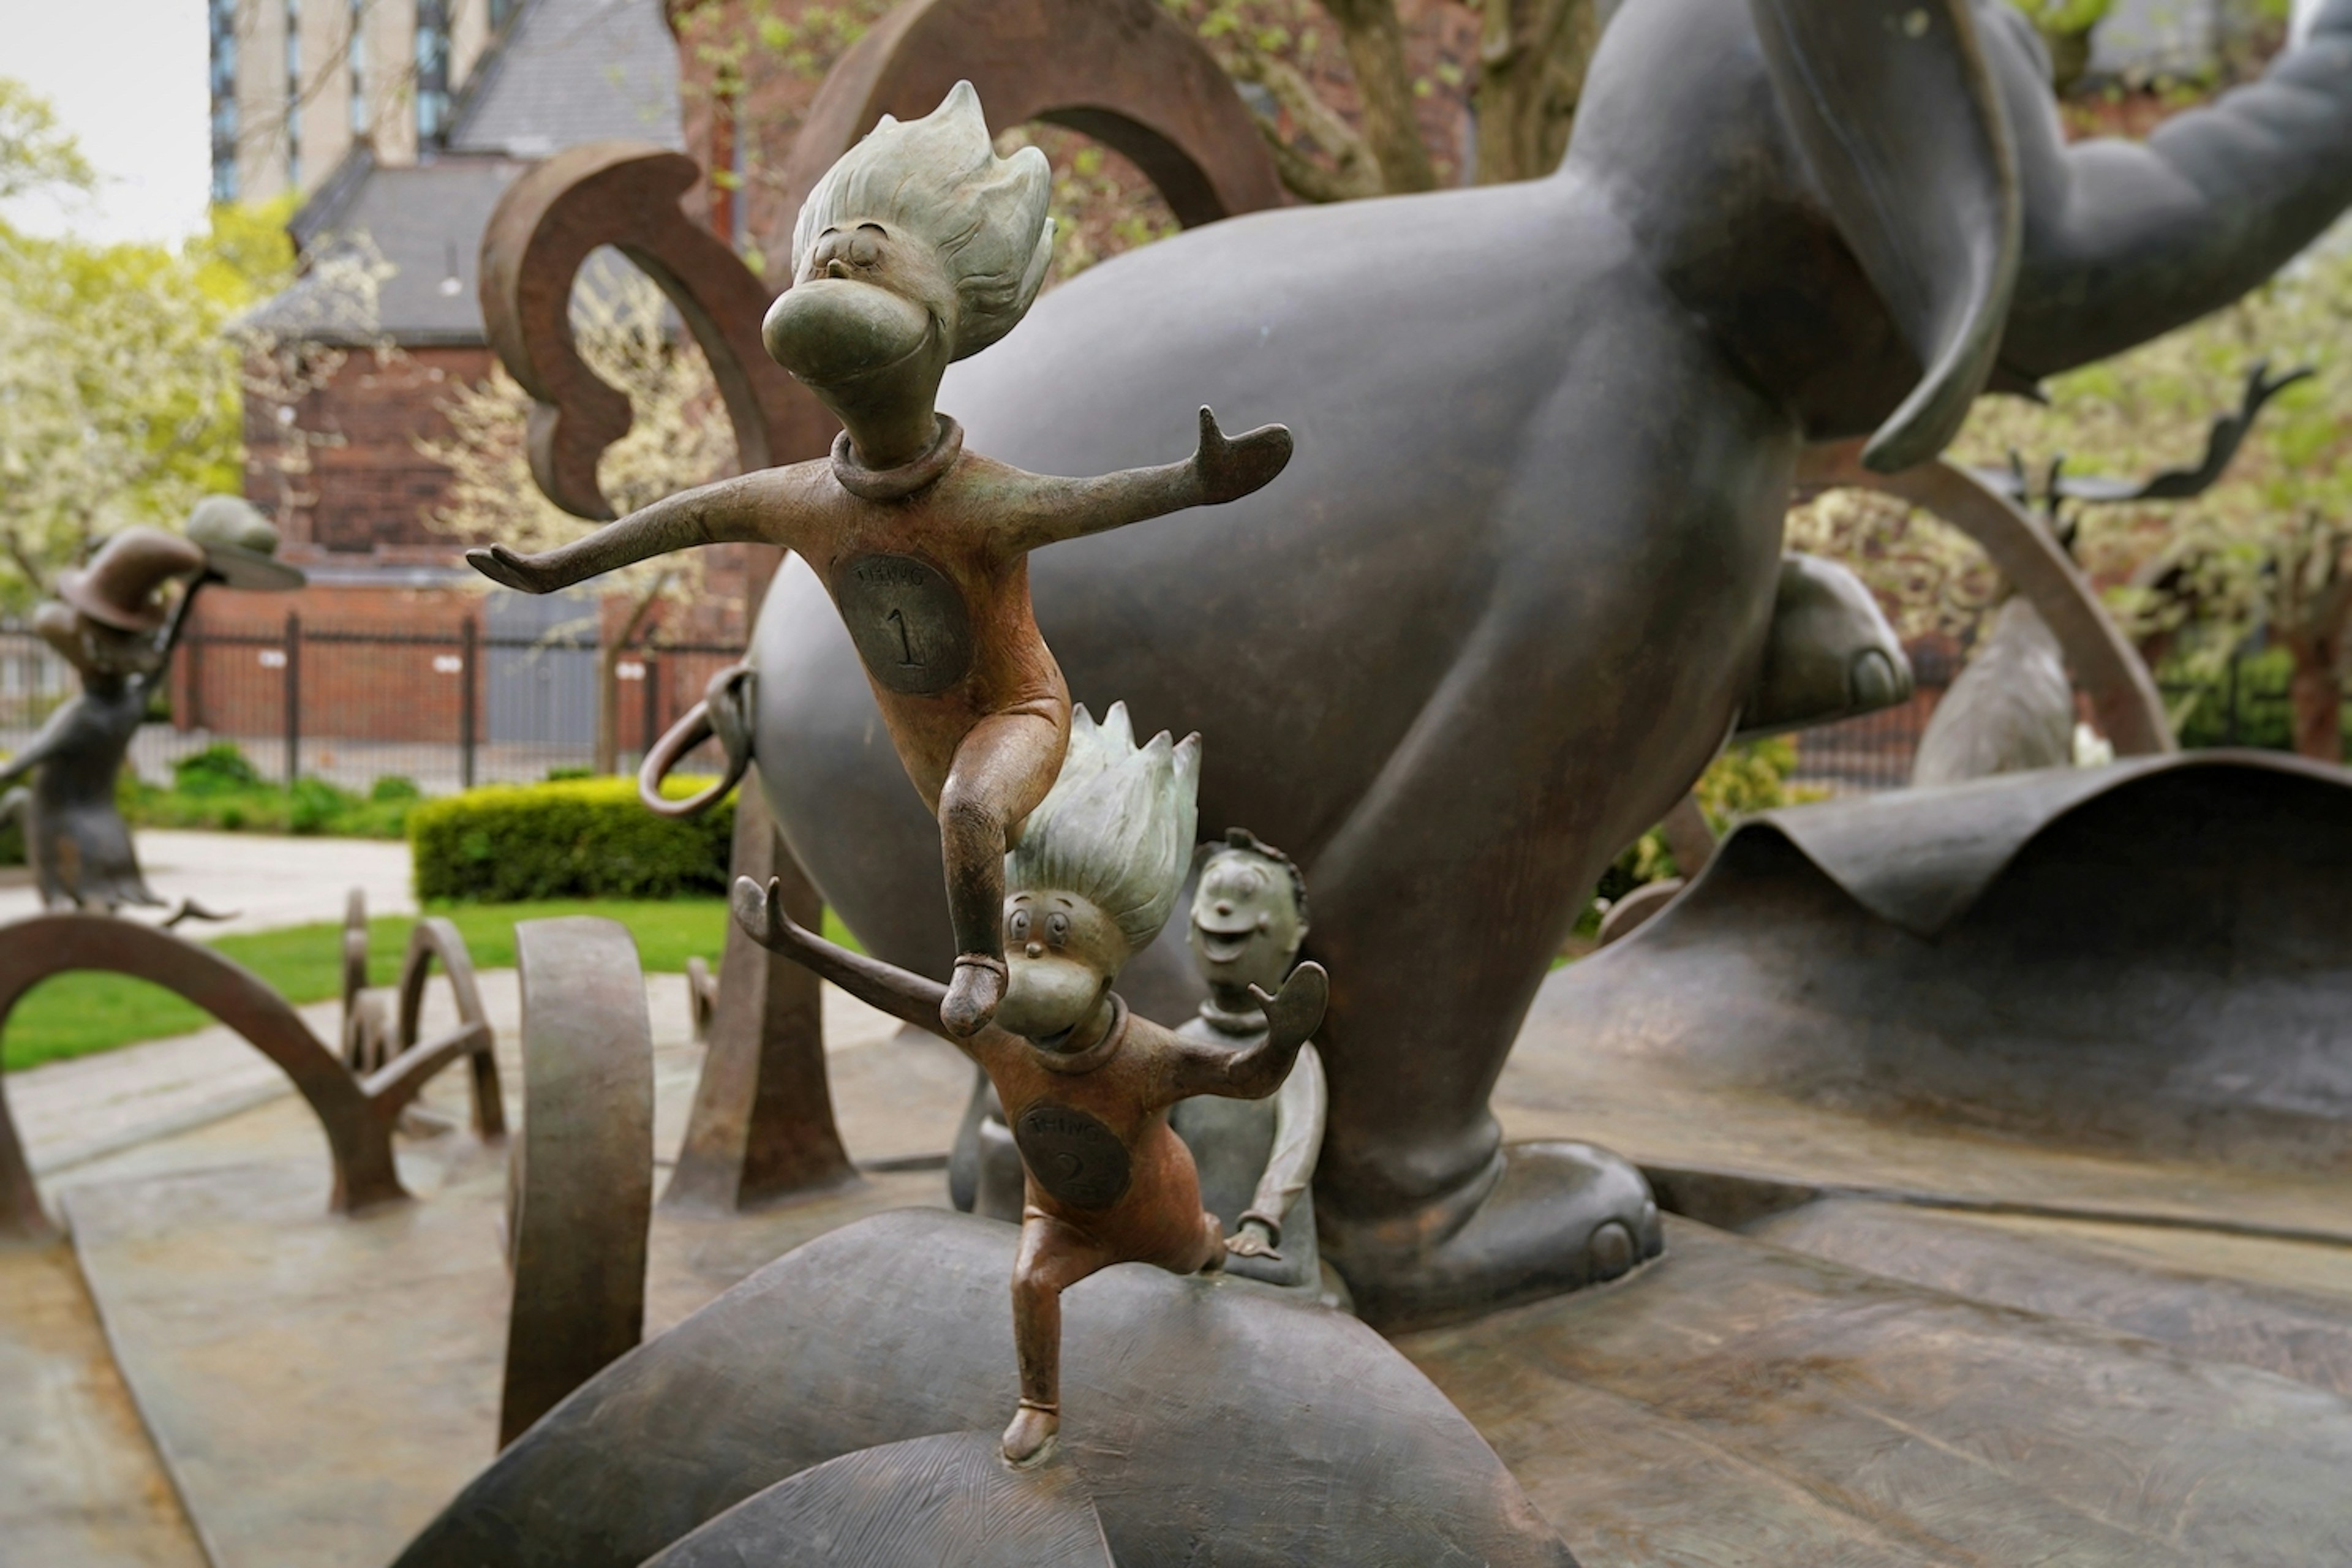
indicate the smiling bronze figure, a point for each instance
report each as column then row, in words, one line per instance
column 1085, row 1085
column 921, row 247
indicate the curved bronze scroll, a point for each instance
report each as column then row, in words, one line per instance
column 626, row 194
column 393, row 1063
column 725, row 712
column 1121, row 72
column 581, row 1185
column 358, row 1128
column 2123, row 694
column 419, row 1059
column 1118, row 71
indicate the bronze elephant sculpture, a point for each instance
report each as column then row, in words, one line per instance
column 1516, row 585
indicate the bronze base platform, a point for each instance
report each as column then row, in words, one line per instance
column 1930, row 1346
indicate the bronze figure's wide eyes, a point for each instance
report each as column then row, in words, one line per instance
column 1058, row 928
column 1019, row 925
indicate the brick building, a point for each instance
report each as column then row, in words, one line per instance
column 333, row 459
column 563, row 72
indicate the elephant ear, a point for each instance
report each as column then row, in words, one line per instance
column 1895, row 110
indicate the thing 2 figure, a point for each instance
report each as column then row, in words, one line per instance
column 1086, row 1085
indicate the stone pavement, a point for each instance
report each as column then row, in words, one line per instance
column 2144, row 1380
column 266, row 879
column 157, row 1144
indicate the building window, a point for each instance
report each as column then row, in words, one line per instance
column 432, row 71
column 222, row 14
column 294, row 94
column 355, row 60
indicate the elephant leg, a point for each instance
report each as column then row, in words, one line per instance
column 1602, row 680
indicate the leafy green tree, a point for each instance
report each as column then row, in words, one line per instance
column 2265, row 553
column 35, row 153
column 118, row 388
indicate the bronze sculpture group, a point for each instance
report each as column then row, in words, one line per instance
column 920, row 248
column 1528, row 577
column 1086, row 1084
column 1517, row 581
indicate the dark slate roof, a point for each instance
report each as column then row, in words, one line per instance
column 567, row 71
column 425, row 223
column 571, row 72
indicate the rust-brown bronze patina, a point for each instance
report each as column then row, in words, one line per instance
column 920, row 249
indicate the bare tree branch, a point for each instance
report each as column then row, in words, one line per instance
column 1374, row 40
column 1354, row 174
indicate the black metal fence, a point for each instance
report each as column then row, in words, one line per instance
column 2244, row 703
column 445, row 708
column 1874, row 751
column 472, row 703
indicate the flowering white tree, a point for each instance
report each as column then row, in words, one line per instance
column 679, row 437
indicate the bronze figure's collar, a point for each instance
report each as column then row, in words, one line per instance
column 897, row 484
column 1094, row 1056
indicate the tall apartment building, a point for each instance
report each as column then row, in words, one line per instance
column 297, row 84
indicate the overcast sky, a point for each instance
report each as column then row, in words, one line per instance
column 127, row 76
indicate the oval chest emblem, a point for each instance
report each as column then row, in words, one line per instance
column 1073, row 1156
column 908, row 622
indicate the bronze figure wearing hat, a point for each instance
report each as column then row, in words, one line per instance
column 918, row 247
column 110, row 622
column 113, row 624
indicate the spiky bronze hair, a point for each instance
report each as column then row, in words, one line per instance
column 938, row 179
column 1116, row 828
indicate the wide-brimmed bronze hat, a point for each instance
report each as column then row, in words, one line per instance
column 241, row 545
column 118, row 587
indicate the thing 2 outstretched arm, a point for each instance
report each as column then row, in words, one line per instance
column 1223, row 469
column 1292, row 1014
column 759, row 509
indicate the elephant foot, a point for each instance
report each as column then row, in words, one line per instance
column 1556, row 1217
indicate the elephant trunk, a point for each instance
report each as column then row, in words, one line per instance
column 2126, row 241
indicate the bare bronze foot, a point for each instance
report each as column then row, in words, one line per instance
column 1030, row 1440
column 973, row 997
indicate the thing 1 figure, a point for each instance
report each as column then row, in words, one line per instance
column 920, row 246
column 1086, row 1084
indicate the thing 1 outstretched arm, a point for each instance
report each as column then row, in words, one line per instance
column 904, row 996
column 760, row 508
column 1223, row 469
column 1292, row 1014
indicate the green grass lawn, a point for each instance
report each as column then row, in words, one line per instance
column 75, row 1015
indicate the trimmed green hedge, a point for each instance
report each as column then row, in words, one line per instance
column 586, row 838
